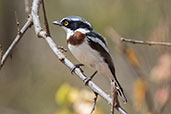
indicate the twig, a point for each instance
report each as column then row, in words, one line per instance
column 16, row 40
column 45, row 19
column 114, row 96
column 41, row 33
column 62, row 49
column 146, row 42
column 94, row 103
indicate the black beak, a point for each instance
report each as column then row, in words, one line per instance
column 57, row 23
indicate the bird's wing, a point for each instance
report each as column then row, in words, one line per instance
column 98, row 43
column 95, row 35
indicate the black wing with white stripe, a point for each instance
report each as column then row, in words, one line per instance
column 98, row 43
column 96, row 35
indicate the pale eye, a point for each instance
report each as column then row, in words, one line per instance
column 66, row 23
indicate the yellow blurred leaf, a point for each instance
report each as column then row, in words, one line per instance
column 140, row 89
column 62, row 94
column 81, row 102
column 131, row 55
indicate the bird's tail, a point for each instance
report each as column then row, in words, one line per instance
column 120, row 91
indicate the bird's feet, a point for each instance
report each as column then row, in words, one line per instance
column 87, row 79
column 76, row 66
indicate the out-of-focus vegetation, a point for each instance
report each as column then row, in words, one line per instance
column 33, row 78
column 74, row 101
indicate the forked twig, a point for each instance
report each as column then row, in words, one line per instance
column 16, row 40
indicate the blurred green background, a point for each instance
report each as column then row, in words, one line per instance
column 32, row 75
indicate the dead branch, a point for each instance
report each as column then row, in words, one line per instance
column 16, row 40
column 62, row 49
column 146, row 42
column 45, row 19
column 114, row 96
column 43, row 34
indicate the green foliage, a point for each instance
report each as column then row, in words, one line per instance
column 62, row 94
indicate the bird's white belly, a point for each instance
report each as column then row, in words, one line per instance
column 89, row 57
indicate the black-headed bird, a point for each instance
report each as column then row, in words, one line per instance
column 89, row 48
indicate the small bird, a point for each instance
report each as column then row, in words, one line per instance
column 89, row 48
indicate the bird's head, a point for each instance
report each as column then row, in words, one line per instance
column 72, row 24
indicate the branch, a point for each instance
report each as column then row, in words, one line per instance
column 45, row 19
column 94, row 103
column 16, row 40
column 146, row 42
column 114, row 96
column 41, row 33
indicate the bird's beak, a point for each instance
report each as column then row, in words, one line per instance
column 57, row 23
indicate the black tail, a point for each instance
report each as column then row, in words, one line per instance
column 120, row 90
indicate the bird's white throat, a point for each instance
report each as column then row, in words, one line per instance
column 70, row 32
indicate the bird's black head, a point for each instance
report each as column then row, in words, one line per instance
column 73, row 23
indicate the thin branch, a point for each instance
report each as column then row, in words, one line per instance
column 146, row 42
column 45, row 19
column 41, row 33
column 94, row 102
column 62, row 49
column 16, row 40
column 114, row 96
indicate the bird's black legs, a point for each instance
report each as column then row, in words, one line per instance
column 89, row 78
column 76, row 66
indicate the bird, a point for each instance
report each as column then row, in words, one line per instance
column 89, row 48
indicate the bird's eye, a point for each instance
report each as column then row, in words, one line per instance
column 66, row 23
